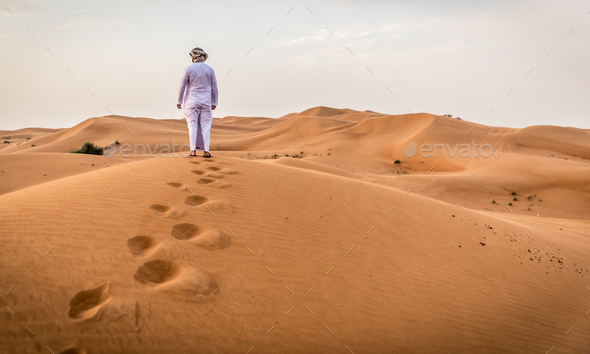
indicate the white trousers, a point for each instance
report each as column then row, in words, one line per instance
column 198, row 120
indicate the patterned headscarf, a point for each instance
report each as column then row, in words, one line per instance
column 198, row 55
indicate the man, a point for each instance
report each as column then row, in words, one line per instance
column 199, row 100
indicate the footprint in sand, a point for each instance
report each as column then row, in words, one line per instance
column 142, row 246
column 167, row 211
column 196, row 162
column 157, row 272
column 73, row 350
column 215, row 206
column 195, row 200
column 225, row 171
column 208, row 239
column 171, row 276
column 96, row 306
column 206, row 181
column 176, row 185
column 186, row 231
column 87, row 303
column 209, row 175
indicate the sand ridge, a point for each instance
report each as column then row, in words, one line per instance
column 325, row 253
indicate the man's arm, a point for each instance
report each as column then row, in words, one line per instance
column 183, row 84
column 214, row 93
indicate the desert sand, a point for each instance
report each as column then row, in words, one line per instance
column 335, row 248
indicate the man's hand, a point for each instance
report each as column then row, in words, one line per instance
column 213, row 107
column 179, row 106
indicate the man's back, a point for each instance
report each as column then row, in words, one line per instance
column 200, row 84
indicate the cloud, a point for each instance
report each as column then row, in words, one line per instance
column 365, row 34
column 92, row 22
column 317, row 37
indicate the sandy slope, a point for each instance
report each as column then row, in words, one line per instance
column 21, row 171
column 297, row 254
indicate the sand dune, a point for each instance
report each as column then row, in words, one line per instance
column 338, row 249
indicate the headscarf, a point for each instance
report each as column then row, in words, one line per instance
column 198, row 55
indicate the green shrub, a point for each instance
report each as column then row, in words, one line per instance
column 89, row 148
column 397, row 161
column 513, row 192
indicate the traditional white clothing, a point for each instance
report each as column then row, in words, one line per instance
column 198, row 92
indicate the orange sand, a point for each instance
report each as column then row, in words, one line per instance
column 244, row 251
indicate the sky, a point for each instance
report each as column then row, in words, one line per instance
column 66, row 61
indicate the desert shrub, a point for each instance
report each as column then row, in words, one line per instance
column 89, row 148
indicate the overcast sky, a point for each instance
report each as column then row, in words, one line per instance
column 458, row 57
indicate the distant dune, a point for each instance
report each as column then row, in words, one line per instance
column 313, row 232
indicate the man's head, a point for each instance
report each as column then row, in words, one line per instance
column 198, row 54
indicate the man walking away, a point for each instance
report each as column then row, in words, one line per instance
column 198, row 93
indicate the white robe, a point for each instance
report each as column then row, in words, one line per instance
column 198, row 92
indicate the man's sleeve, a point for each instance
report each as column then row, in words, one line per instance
column 183, row 84
column 214, row 93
